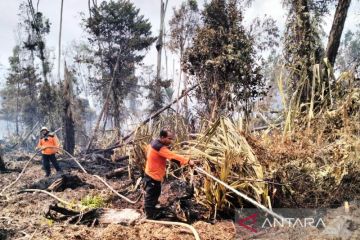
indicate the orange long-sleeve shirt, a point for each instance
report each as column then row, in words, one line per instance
column 51, row 141
column 156, row 157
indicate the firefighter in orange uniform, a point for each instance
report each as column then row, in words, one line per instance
column 157, row 154
column 49, row 145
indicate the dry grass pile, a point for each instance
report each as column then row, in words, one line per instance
column 316, row 164
column 318, row 161
column 225, row 153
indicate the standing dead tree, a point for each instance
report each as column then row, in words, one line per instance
column 68, row 118
column 60, row 31
column 337, row 29
column 159, row 45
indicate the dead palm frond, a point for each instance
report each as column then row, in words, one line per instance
column 227, row 155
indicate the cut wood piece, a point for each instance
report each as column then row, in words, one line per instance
column 125, row 216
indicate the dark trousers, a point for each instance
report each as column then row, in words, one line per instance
column 152, row 194
column 46, row 159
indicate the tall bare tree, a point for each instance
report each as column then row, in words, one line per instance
column 60, row 31
column 68, row 117
column 336, row 30
column 159, row 45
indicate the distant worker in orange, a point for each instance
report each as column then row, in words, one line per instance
column 49, row 145
column 157, row 154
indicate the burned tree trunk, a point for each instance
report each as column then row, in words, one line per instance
column 69, row 125
column 116, row 112
column 336, row 30
column 2, row 163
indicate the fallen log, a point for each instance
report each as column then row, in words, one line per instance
column 59, row 183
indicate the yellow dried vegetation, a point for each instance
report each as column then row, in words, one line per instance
column 311, row 160
column 225, row 153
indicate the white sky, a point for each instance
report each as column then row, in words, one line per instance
column 72, row 30
column 150, row 8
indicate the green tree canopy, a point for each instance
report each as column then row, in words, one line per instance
column 119, row 33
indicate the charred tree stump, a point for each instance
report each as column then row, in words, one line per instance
column 2, row 163
column 57, row 213
column 93, row 216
